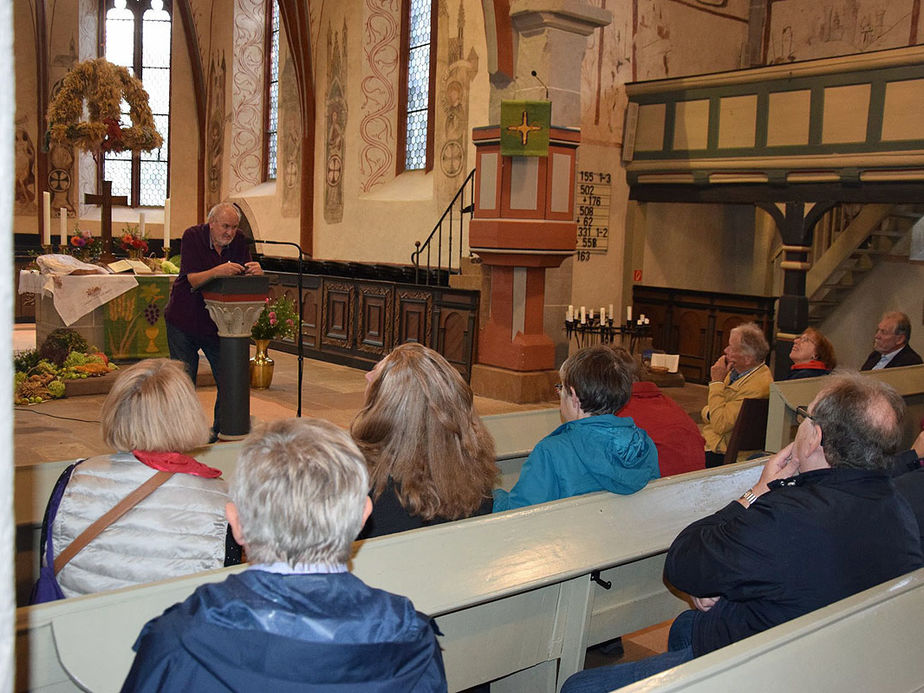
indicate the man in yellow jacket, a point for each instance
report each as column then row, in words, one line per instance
column 739, row 374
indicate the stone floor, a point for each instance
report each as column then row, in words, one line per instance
column 69, row 428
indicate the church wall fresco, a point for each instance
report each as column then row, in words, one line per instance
column 62, row 23
column 336, row 111
column 379, row 81
column 457, row 65
column 215, row 130
column 289, row 158
column 246, row 115
column 805, row 31
column 26, row 187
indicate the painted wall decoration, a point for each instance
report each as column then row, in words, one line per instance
column 336, row 108
column 62, row 172
column 247, row 95
column 606, row 67
column 24, row 174
column 290, row 123
column 215, row 135
column 806, row 31
column 452, row 99
column 381, row 41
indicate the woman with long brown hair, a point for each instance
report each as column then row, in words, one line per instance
column 430, row 459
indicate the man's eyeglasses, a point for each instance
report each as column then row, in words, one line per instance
column 802, row 413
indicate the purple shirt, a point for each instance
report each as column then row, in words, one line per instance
column 186, row 308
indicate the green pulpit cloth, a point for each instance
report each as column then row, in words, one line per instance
column 524, row 128
column 134, row 326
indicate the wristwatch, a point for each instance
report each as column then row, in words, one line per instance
column 748, row 497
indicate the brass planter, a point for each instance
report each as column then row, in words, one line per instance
column 261, row 366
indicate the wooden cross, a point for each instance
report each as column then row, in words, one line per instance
column 106, row 200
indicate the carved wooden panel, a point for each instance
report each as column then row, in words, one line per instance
column 696, row 324
column 456, row 338
column 414, row 308
column 337, row 314
column 311, row 317
column 376, row 308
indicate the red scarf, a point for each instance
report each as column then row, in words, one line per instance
column 175, row 462
column 813, row 365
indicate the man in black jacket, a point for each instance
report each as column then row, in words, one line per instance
column 890, row 344
column 823, row 522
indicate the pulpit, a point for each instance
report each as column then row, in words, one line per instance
column 523, row 224
column 234, row 304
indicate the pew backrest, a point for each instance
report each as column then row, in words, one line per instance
column 511, row 592
column 868, row 642
column 786, row 395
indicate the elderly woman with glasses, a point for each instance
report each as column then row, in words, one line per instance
column 811, row 355
column 430, row 459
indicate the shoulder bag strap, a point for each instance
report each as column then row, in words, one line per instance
column 114, row 513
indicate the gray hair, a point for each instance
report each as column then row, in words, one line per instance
column 902, row 323
column 221, row 207
column 300, row 489
column 753, row 341
column 860, row 420
column 153, row 406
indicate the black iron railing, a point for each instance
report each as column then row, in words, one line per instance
column 451, row 225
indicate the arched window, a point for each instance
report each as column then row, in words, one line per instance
column 137, row 35
column 271, row 119
column 418, row 36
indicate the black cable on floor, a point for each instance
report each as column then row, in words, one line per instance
column 55, row 416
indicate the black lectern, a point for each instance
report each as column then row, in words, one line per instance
column 234, row 303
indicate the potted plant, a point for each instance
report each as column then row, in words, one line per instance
column 277, row 320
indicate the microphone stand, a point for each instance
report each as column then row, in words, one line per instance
column 301, row 350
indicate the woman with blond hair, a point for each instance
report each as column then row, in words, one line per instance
column 430, row 459
column 178, row 528
column 811, row 355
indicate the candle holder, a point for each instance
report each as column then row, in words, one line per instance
column 47, row 249
column 593, row 331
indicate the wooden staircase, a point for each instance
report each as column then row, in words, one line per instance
column 850, row 241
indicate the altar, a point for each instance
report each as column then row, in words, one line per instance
column 123, row 315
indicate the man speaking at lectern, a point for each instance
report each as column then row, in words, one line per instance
column 214, row 249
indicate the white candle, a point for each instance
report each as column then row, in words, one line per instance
column 63, row 212
column 583, row 316
column 602, row 315
column 628, row 313
column 641, row 317
column 611, row 313
column 647, row 321
column 591, row 314
column 569, row 315
column 167, row 228
column 141, row 224
column 46, row 211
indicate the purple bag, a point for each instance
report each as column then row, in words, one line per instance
column 46, row 588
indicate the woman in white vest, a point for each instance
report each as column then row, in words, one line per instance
column 150, row 414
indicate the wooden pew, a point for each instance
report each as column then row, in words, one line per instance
column 786, row 395
column 514, row 435
column 511, row 592
column 868, row 642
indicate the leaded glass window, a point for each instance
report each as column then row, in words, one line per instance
column 418, row 84
column 272, row 91
column 137, row 35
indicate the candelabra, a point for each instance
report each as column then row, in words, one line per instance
column 592, row 330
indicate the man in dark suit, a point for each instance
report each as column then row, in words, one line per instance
column 891, row 348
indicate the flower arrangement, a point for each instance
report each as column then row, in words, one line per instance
column 132, row 241
column 102, row 86
column 278, row 320
column 84, row 245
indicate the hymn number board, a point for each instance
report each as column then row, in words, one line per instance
column 593, row 213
